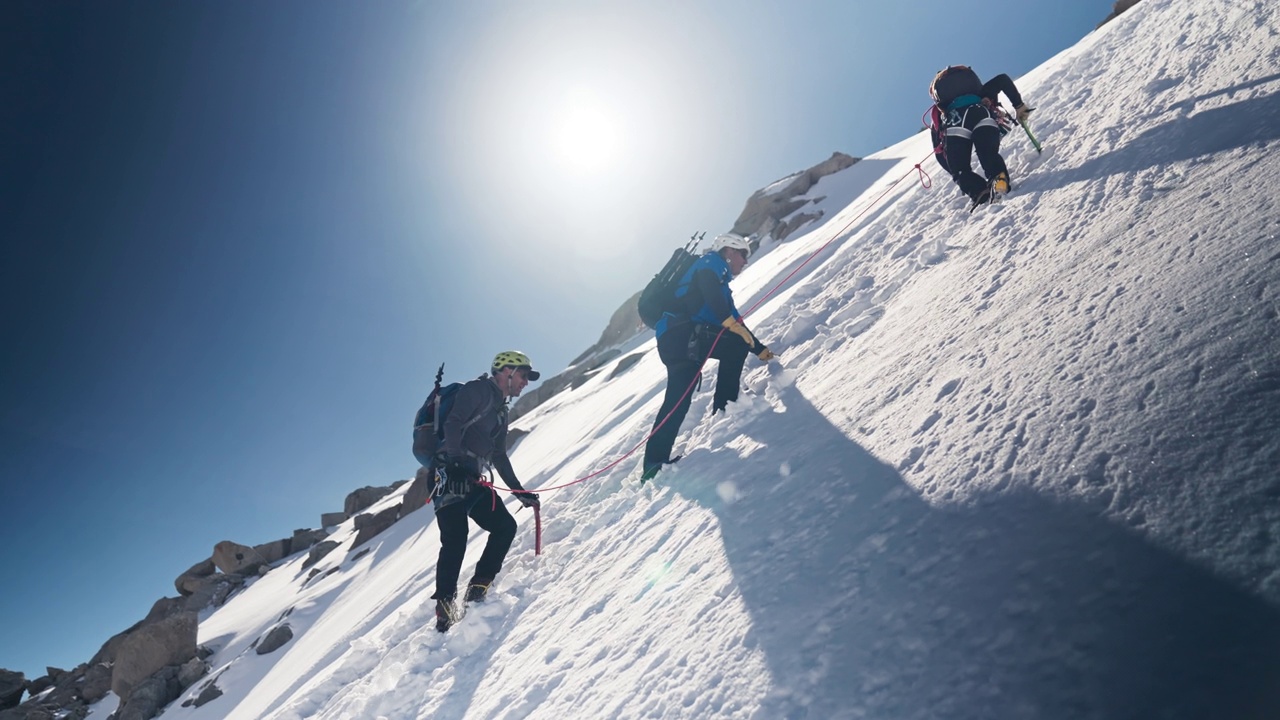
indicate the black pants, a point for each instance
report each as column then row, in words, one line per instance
column 483, row 506
column 969, row 129
column 682, row 350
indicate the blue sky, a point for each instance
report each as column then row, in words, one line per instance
column 239, row 238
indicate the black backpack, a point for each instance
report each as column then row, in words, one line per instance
column 428, row 424
column 952, row 83
column 659, row 296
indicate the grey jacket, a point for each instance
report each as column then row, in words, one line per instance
column 475, row 432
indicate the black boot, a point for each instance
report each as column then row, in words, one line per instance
column 447, row 614
column 477, row 589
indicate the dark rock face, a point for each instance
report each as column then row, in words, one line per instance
column 148, row 649
column 360, row 499
column 369, row 525
column 12, row 685
column 275, row 639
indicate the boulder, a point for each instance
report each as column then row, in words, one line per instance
column 12, row 685
column 369, row 525
column 333, row 518
column 194, row 575
column 39, row 685
column 319, row 551
column 274, row 551
column 97, row 683
column 419, row 493
column 191, row 671
column 230, row 557
column 364, row 497
column 210, row 692
column 303, row 539
column 151, row 695
column 152, row 647
column 212, row 590
column 275, row 639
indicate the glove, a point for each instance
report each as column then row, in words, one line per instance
column 528, row 499
column 1024, row 112
column 732, row 325
column 766, row 355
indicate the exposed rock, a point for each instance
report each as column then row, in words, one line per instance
column 360, row 499
column 12, row 685
column 39, row 685
column 151, row 695
column 416, row 497
column 369, row 525
column 274, row 551
column 28, row 712
column 1116, row 9
column 319, row 551
column 146, row 650
column 163, row 608
column 303, row 539
column 97, row 683
column 210, row 692
column 230, row 557
column 333, row 518
column 626, row 364
column 107, row 653
column 768, row 208
column 275, row 639
column 193, row 575
column 212, row 590
column 191, row 671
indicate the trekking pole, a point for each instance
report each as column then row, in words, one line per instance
column 694, row 239
column 537, row 530
column 1034, row 142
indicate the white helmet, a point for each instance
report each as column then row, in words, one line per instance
column 730, row 240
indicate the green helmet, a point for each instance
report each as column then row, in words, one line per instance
column 514, row 359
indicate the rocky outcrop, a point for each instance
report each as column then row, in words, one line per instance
column 212, row 590
column 231, row 557
column 12, row 685
column 368, row 524
column 194, row 575
column 151, row 647
column 360, row 499
column 416, row 497
column 97, row 683
column 1116, row 9
column 767, row 210
column 318, row 552
column 333, row 518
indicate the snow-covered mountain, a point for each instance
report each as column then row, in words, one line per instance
column 1016, row 464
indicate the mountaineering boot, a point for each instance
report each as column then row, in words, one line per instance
column 1001, row 185
column 652, row 471
column 447, row 614
column 477, row 589
column 982, row 198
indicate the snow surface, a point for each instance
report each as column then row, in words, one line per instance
column 1015, row 464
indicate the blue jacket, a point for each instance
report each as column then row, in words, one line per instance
column 703, row 294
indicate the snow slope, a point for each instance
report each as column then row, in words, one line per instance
column 1015, row 464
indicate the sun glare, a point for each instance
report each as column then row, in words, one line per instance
column 586, row 135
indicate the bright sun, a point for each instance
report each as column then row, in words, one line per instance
column 586, row 135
